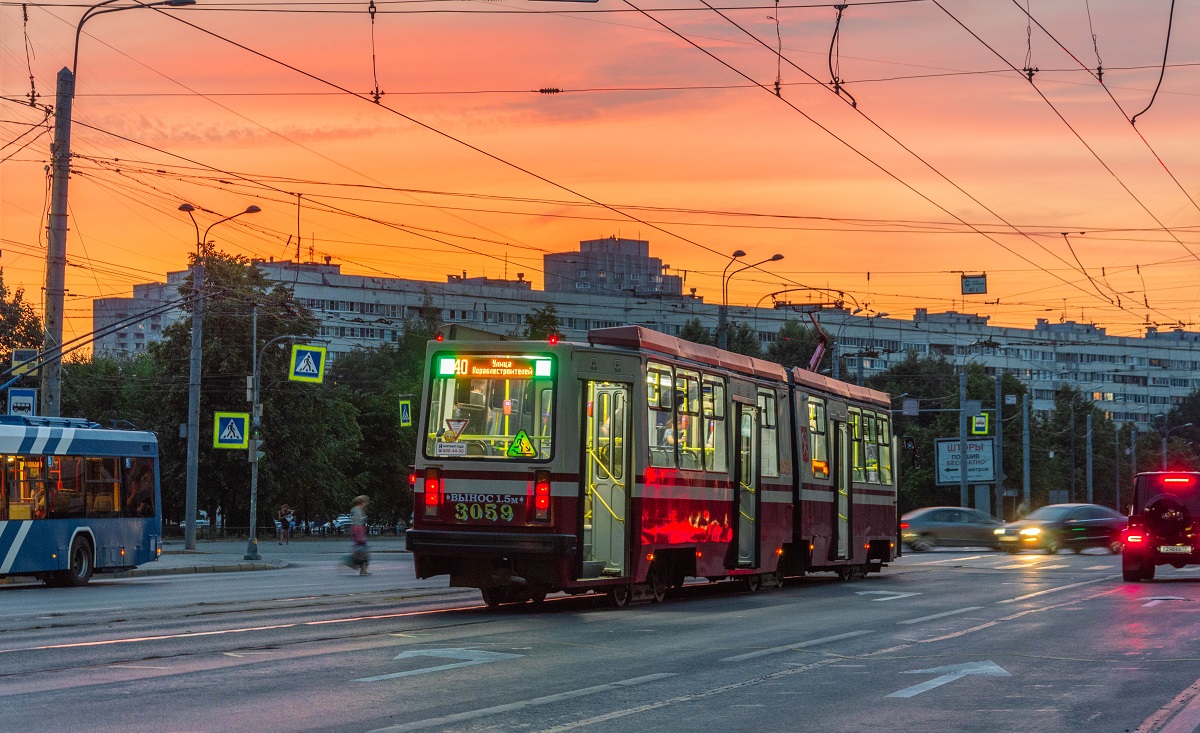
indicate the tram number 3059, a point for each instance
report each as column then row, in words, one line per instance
column 488, row 507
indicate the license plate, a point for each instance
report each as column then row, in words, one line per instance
column 1176, row 549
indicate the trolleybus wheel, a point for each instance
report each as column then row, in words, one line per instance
column 80, row 567
column 753, row 583
column 619, row 595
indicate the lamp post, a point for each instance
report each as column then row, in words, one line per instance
column 56, row 229
column 1166, row 435
column 861, row 356
column 193, row 422
column 722, row 321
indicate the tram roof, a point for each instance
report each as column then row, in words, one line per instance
column 645, row 338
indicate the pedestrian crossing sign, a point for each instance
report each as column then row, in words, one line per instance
column 405, row 413
column 521, row 447
column 308, row 363
column 231, row 430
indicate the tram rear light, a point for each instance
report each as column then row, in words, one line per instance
column 649, row 557
column 412, row 477
column 699, row 554
column 779, row 551
column 433, row 492
column 541, row 496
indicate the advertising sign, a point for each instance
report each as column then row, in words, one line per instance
column 981, row 466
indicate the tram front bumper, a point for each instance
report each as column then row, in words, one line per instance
column 503, row 544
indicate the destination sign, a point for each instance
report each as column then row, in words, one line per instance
column 493, row 367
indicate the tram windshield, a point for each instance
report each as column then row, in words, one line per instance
column 493, row 406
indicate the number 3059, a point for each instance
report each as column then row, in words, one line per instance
column 488, row 512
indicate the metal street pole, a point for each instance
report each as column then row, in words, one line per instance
column 1089, row 458
column 998, row 453
column 192, row 467
column 1166, row 435
column 723, row 337
column 1117, row 466
column 962, row 438
column 1026, row 478
column 56, row 229
column 723, row 311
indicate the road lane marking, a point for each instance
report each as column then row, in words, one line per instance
column 890, row 595
column 940, row 615
column 1098, row 567
column 950, row 559
column 949, row 674
column 1052, row 567
column 520, row 705
column 793, row 647
column 469, row 657
column 1154, row 601
column 1151, row 723
column 1051, row 590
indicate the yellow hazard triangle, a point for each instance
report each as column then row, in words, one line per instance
column 521, row 446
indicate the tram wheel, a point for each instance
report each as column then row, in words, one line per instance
column 844, row 572
column 619, row 596
column 658, row 587
column 753, row 583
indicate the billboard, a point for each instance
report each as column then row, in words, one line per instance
column 981, row 464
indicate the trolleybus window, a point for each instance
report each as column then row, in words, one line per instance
column 714, row 424
column 689, row 440
column 885, row 449
column 493, row 406
column 858, row 455
column 818, row 438
column 660, row 415
column 769, row 452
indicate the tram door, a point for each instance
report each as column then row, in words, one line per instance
column 748, row 471
column 841, row 501
column 606, row 478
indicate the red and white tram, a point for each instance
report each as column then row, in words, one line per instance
column 632, row 462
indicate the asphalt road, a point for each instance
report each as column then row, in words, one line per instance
column 943, row 641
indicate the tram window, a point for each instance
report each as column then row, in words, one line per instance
column 857, row 454
column 871, row 447
column 690, row 436
column 660, row 417
column 818, row 438
column 885, row 450
column 498, row 407
column 769, row 451
column 714, row 425
column 66, row 488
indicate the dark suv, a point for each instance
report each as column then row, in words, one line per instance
column 1162, row 524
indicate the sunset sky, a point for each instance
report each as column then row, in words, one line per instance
column 952, row 161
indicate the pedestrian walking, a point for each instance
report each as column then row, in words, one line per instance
column 359, row 557
column 285, row 517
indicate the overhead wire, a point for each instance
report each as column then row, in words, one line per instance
column 1162, row 73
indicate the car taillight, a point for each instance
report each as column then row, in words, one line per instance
column 1177, row 480
column 541, row 496
column 1134, row 538
column 433, row 492
column 904, row 525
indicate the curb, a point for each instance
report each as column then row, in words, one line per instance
column 145, row 572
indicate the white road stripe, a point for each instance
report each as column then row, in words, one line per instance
column 1051, row 590
column 1052, row 567
column 1098, row 567
column 11, row 557
column 521, row 705
column 940, row 615
column 952, row 559
column 792, row 647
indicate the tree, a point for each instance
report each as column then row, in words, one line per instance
column 743, row 340
column 793, row 346
column 696, row 333
column 20, row 328
column 541, row 323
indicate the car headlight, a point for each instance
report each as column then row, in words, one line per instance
column 999, row 531
column 1031, row 531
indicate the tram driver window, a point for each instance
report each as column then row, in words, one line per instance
column 660, row 418
column 818, row 438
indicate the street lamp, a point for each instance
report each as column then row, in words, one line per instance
column 861, row 356
column 193, row 423
column 56, row 230
column 837, row 340
column 1166, row 435
column 722, row 328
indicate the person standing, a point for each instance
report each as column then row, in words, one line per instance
column 285, row 524
column 359, row 556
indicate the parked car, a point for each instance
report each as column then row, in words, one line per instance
column 947, row 526
column 1073, row 526
column 1162, row 527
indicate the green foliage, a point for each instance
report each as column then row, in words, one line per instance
column 541, row 323
column 794, row 346
column 743, row 339
column 20, row 328
column 696, row 333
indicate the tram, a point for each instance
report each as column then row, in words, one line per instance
column 637, row 460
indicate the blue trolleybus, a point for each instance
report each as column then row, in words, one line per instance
column 76, row 499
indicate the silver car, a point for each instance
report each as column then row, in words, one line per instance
column 948, row 526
